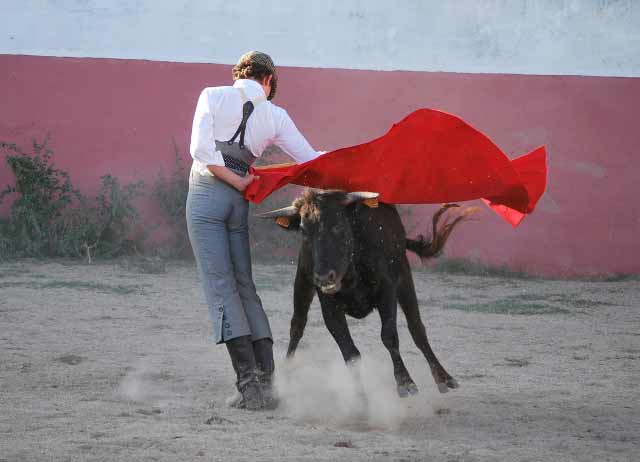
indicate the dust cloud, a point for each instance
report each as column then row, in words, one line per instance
column 142, row 384
column 316, row 386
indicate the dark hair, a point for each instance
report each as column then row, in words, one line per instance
column 257, row 66
column 253, row 71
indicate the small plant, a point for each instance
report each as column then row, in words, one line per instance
column 106, row 226
column 49, row 217
column 7, row 245
column 43, row 192
column 79, row 229
column 119, row 218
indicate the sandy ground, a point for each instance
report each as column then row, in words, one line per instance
column 103, row 363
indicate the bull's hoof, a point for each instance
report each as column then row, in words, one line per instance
column 450, row 383
column 442, row 387
column 407, row 389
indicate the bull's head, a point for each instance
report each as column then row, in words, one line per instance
column 322, row 218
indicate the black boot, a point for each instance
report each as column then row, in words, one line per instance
column 263, row 352
column 244, row 363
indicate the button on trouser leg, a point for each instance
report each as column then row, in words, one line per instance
column 209, row 210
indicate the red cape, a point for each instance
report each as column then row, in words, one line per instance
column 429, row 157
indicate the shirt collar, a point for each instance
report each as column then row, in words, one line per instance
column 252, row 89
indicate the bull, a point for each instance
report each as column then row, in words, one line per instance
column 353, row 255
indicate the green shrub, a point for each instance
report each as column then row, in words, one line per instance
column 121, row 230
column 107, row 226
column 49, row 217
column 43, row 192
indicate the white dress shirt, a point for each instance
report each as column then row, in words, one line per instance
column 219, row 113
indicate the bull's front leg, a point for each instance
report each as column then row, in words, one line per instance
column 388, row 310
column 303, row 291
column 336, row 322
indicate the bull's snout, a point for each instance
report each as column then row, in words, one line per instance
column 328, row 283
column 329, row 278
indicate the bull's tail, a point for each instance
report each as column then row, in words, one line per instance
column 432, row 247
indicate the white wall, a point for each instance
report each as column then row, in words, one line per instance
column 580, row 37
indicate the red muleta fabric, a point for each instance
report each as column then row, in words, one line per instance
column 427, row 158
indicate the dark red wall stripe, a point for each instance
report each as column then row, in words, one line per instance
column 118, row 116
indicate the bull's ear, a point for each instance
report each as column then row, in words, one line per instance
column 370, row 199
column 291, row 223
column 287, row 217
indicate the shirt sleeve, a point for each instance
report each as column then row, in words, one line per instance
column 202, row 142
column 289, row 138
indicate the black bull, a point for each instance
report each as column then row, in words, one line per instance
column 354, row 257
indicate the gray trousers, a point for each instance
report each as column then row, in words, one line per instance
column 217, row 220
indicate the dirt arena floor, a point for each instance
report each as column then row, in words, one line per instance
column 102, row 363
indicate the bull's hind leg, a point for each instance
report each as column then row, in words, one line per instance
column 409, row 304
column 302, row 297
column 388, row 310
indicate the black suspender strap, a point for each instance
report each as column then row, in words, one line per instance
column 247, row 109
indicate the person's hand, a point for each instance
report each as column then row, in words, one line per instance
column 245, row 181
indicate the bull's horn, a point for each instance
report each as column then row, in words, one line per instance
column 283, row 212
column 370, row 198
